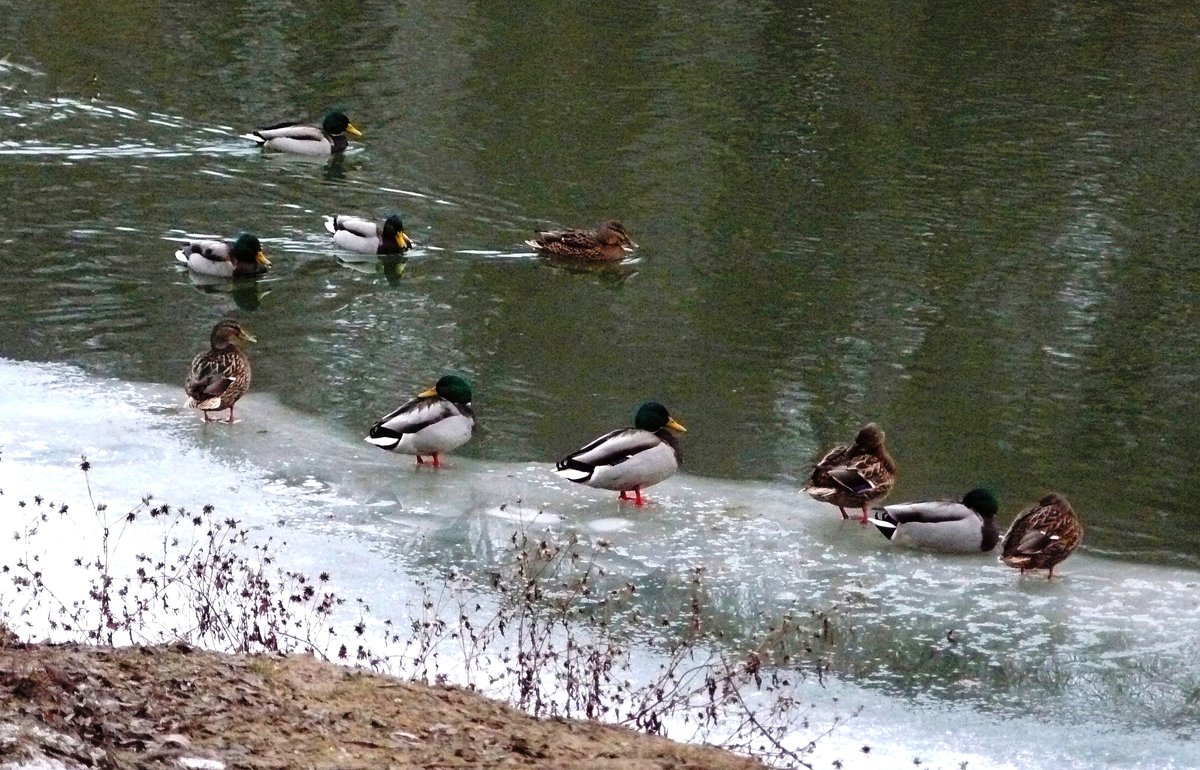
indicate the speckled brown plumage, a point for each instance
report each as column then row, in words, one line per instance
column 1042, row 535
column 221, row 375
column 609, row 242
column 854, row 475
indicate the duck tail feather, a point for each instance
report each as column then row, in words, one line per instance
column 383, row 442
column 886, row 528
column 573, row 470
column 823, row 494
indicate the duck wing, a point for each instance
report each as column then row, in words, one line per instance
column 364, row 228
column 564, row 240
column 613, row 448
column 205, row 386
column 1035, row 541
column 215, row 251
column 934, row 512
column 834, row 458
column 851, row 479
column 300, row 131
column 411, row 417
column 864, row 474
column 208, row 380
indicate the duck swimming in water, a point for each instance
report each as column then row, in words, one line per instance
column 222, row 259
column 608, row 242
column 368, row 237
column 328, row 138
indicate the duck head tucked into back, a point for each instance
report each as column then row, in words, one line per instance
column 968, row 526
column 1042, row 535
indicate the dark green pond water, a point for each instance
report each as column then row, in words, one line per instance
column 975, row 223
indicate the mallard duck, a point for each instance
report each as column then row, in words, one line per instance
column 610, row 242
column 222, row 259
column 943, row 525
column 367, row 237
column 856, row 474
column 628, row 459
column 1042, row 535
column 329, row 138
column 221, row 375
column 437, row 420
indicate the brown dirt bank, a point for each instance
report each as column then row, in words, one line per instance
column 172, row 706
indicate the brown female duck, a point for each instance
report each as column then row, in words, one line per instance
column 1042, row 535
column 854, row 475
column 221, row 375
column 609, row 242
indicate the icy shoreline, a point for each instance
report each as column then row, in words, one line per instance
column 372, row 520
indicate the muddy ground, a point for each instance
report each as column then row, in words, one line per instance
column 180, row 707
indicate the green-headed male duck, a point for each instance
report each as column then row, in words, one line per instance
column 628, row 459
column 438, row 420
column 369, row 237
column 328, row 138
column 223, row 259
column 967, row 526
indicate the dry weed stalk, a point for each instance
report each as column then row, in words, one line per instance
column 549, row 629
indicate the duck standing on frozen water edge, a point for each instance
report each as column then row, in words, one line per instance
column 854, row 475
